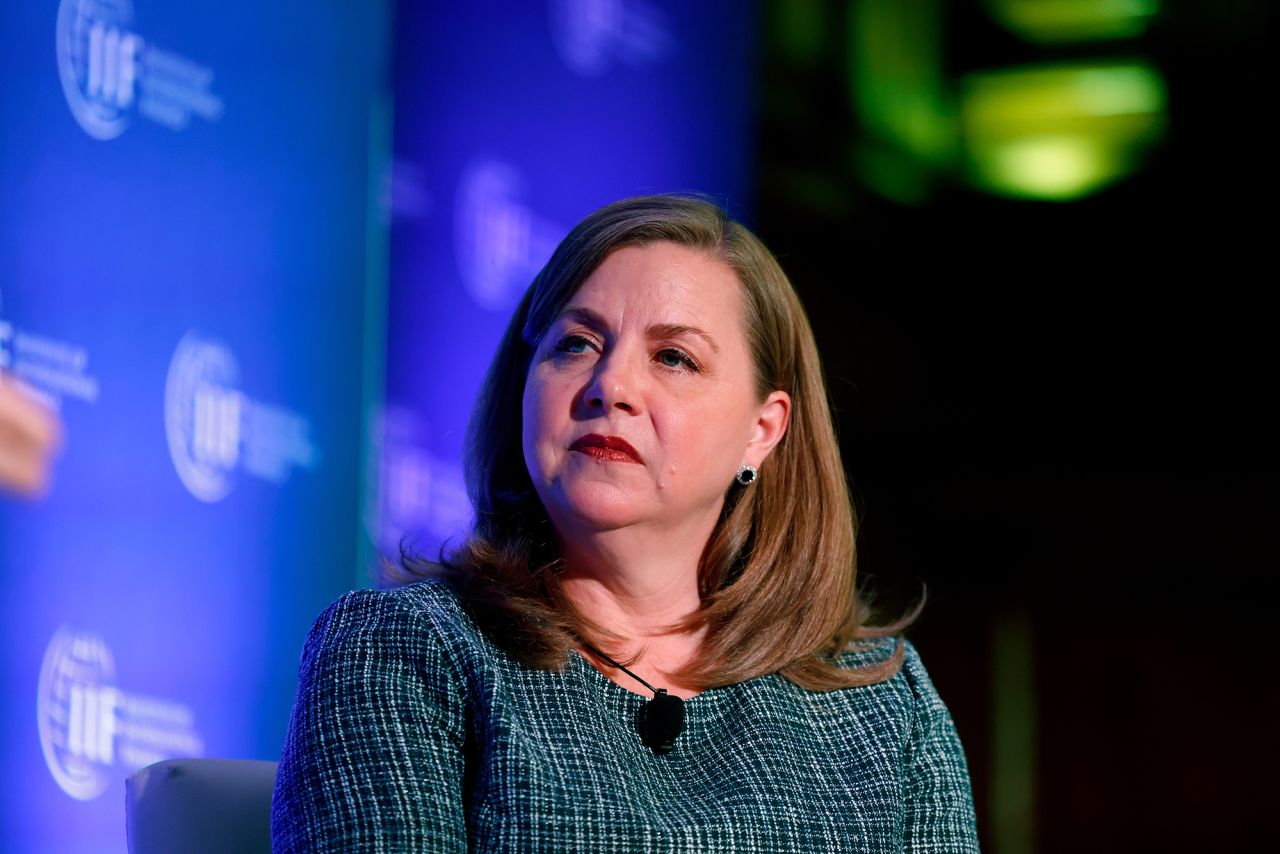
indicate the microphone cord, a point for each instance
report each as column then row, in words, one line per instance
column 662, row 718
column 598, row 654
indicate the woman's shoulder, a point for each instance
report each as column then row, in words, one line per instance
column 413, row 617
column 432, row 597
column 910, row 674
column 869, row 652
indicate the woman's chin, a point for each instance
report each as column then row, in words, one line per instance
column 599, row 506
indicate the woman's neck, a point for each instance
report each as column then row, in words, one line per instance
column 638, row 593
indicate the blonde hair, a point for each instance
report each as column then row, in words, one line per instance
column 778, row 575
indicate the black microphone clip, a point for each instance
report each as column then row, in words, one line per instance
column 661, row 721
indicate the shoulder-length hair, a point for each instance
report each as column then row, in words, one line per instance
column 777, row 577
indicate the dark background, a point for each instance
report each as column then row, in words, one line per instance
column 1057, row 417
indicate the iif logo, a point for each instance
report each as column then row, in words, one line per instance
column 98, row 61
column 215, row 430
column 109, row 72
column 76, row 713
column 417, row 491
column 90, row 729
column 500, row 241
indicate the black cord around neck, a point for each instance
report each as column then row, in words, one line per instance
column 598, row 654
column 661, row 719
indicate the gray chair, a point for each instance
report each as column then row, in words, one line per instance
column 200, row 805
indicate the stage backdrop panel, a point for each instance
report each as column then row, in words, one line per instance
column 184, row 244
column 513, row 121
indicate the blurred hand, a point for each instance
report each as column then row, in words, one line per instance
column 30, row 434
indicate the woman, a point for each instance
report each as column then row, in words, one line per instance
column 651, row 639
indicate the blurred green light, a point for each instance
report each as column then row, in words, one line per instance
column 1014, row 735
column 895, row 66
column 1057, row 21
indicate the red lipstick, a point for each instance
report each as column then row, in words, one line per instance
column 612, row 449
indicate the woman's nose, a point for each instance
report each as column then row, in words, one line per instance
column 615, row 384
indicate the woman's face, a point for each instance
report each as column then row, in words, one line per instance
column 640, row 401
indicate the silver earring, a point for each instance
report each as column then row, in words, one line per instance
column 747, row 475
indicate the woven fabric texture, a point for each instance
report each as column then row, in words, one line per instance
column 413, row 732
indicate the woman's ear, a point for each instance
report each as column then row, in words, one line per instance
column 770, row 426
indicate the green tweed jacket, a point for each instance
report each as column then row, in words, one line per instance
column 413, row 732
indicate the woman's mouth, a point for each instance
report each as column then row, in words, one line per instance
column 612, row 449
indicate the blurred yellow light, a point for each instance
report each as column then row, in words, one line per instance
column 1049, row 167
column 1059, row 132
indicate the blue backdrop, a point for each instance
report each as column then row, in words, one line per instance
column 183, row 252
column 198, row 214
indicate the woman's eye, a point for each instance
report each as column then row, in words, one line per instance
column 573, row 344
column 675, row 359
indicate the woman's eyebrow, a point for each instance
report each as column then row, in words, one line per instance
column 676, row 330
column 585, row 315
column 595, row 320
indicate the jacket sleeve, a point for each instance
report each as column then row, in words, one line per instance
column 373, row 760
column 938, row 797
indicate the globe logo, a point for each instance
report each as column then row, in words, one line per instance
column 492, row 233
column 203, row 416
column 76, row 706
column 98, row 63
column 90, row 729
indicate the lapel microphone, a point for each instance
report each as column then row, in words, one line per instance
column 661, row 719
